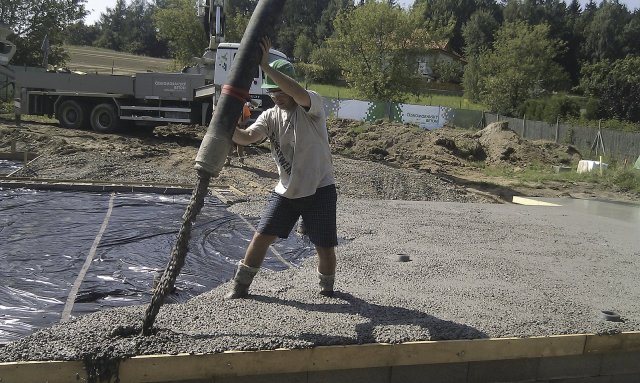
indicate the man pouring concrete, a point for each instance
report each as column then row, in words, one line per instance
column 296, row 128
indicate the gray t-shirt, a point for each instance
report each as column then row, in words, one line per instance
column 300, row 147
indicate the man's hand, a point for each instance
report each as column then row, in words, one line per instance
column 265, row 45
column 284, row 82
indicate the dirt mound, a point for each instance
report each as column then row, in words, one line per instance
column 379, row 160
column 502, row 146
column 166, row 155
column 440, row 149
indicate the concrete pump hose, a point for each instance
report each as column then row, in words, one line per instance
column 217, row 141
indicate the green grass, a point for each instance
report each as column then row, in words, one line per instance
column 435, row 99
column 615, row 177
column 100, row 60
column 334, row 91
column 444, row 100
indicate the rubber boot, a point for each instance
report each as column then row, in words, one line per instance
column 242, row 281
column 326, row 284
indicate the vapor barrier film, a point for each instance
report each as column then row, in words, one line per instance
column 7, row 167
column 46, row 238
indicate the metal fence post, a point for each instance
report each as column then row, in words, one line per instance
column 16, row 109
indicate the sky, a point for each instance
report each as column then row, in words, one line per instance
column 96, row 7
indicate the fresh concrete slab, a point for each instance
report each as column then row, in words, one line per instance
column 475, row 271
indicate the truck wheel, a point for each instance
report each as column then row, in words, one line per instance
column 104, row 118
column 71, row 114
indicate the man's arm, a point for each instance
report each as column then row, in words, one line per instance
column 284, row 82
column 246, row 137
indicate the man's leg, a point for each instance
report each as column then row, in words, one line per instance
column 326, row 269
column 327, row 260
column 248, row 268
column 227, row 161
column 257, row 249
column 240, row 150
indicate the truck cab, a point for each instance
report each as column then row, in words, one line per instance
column 224, row 59
column 225, row 54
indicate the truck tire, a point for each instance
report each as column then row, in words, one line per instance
column 71, row 114
column 104, row 119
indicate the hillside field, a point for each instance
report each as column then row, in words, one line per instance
column 99, row 60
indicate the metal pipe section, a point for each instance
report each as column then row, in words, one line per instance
column 217, row 141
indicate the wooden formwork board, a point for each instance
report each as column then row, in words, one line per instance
column 185, row 367
column 18, row 156
column 223, row 192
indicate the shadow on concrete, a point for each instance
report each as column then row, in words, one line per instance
column 498, row 193
column 378, row 317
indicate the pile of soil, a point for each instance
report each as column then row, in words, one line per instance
column 381, row 160
column 442, row 150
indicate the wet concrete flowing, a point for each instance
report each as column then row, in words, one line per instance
column 178, row 253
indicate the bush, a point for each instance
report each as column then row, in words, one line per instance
column 309, row 72
column 548, row 109
column 617, row 85
column 326, row 70
column 448, row 72
column 606, row 124
column 6, row 107
column 593, row 106
column 627, row 180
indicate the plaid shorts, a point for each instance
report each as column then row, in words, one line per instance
column 318, row 212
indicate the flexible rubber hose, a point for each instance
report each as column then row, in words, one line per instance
column 215, row 145
column 217, row 141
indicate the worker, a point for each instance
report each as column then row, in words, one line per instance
column 297, row 131
column 242, row 124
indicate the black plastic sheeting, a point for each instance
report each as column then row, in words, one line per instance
column 46, row 236
column 8, row 167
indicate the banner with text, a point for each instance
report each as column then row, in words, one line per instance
column 426, row 117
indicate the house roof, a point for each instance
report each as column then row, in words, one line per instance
column 444, row 47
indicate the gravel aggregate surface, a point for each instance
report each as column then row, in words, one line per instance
column 475, row 271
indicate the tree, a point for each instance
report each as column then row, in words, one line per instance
column 327, row 70
column 33, row 20
column 80, row 34
column 112, row 27
column 520, row 66
column 178, row 24
column 142, row 38
column 563, row 22
column 237, row 15
column 324, row 27
column 235, row 25
column 574, row 39
column 478, row 32
column 631, row 35
column 375, row 45
column 299, row 17
column 604, row 35
column 130, row 28
column 471, row 78
column 617, row 86
column 303, row 48
column 437, row 17
column 444, row 19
